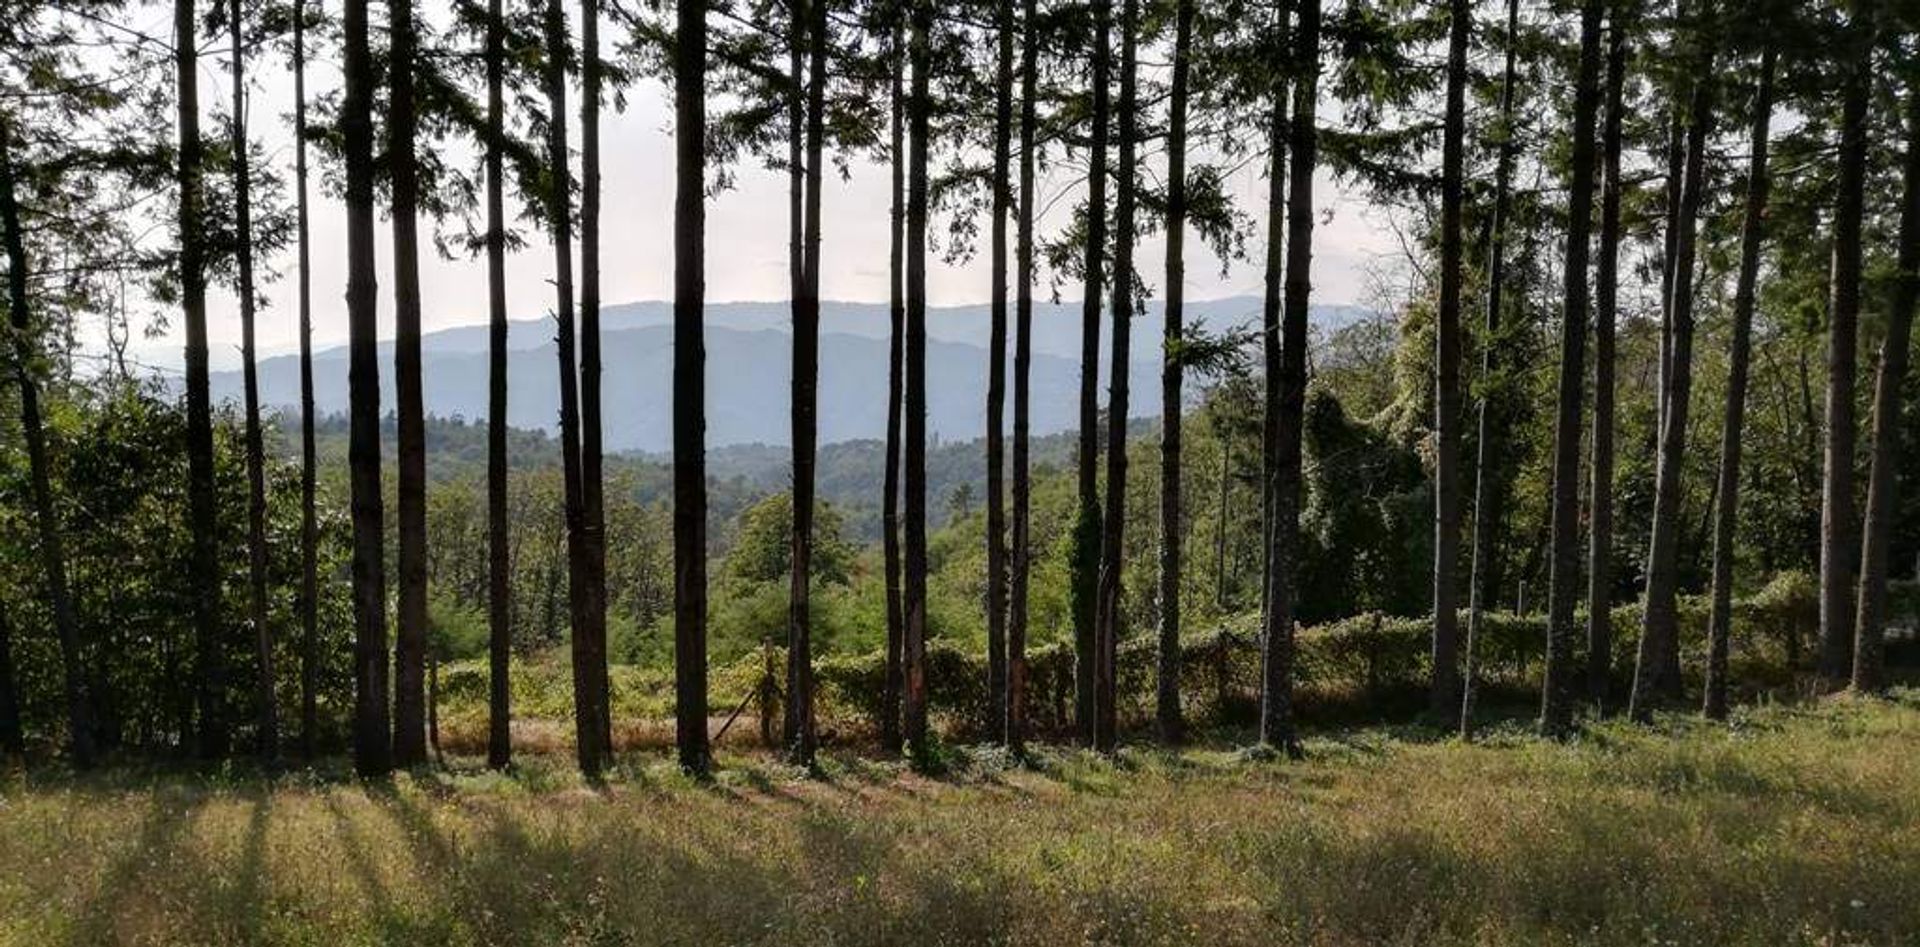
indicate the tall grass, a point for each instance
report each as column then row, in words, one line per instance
column 1790, row 826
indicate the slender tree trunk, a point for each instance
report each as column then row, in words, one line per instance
column 796, row 96
column 801, row 741
column 550, row 594
column 1556, row 705
column 1276, row 703
column 594, row 696
column 12, row 741
column 795, row 292
column 1605, row 317
column 914, row 646
column 410, row 640
column 372, row 732
column 1172, row 522
column 269, row 718
column 767, row 692
column 1107, row 627
column 309, row 519
column 896, row 317
column 1220, row 526
column 202, row 512
column 689, row 387
column 1838, row 539
column 997, row 380
column 1273, row 372
column 1888, row 452
column 1676, row 154
column 1488, row 494
column 1085, row 567
column 499, row 549
column 1444, row 689
column 1655, row 678
column 1022, row 543
column 1752, row 232
column 803, row 344
column 433, row 707
column 798, row 403
column 46, row 521
column 560, row 226
column 256, row 463
column 1676, row 173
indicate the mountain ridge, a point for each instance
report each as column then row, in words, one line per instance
column 749, row 370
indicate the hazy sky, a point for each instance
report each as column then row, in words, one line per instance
column 746, row 233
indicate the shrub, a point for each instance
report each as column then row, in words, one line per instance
column 1369, row 665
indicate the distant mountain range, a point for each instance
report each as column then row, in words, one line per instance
column 749, row 370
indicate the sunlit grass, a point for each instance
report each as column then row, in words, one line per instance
column 1787, row 826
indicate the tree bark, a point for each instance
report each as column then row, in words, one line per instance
column 1444, row 689
column 1489, row 494
column 46, row 520
column 798, row 403
column 689, row 387
column 12, row 741
column 594, row 695
column 1606, row 314
column 1656, row 675
column 914, row 645
column 1220, row 525
column 560, row 227
column 1676, row 172
column 1085, row 566
column 433, row 707
column 1556, row 704
column 1838, row 540
column 1271, row 429
column 410, row 640
column 796, row 93
column 269, row 719
column 1021, row 547
column 372, row 733
column 1107, row 625
column 256, row 461
column 896, row 317
column 997, row 380
column 1727, row 511
column 1276, row 710
column 1172, row 522
column 499, row 549
column 309, row 518
column 1676, row 154
column 801, row 738
column 1869, row 650
column 796, row 96
column 202, row 511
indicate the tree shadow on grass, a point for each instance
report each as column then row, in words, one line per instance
column 393, row 921
column 250, row 898
column 159, row 872
column 618, row 879
column 123, row 881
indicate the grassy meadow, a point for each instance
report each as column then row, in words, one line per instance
column 1792, row 825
